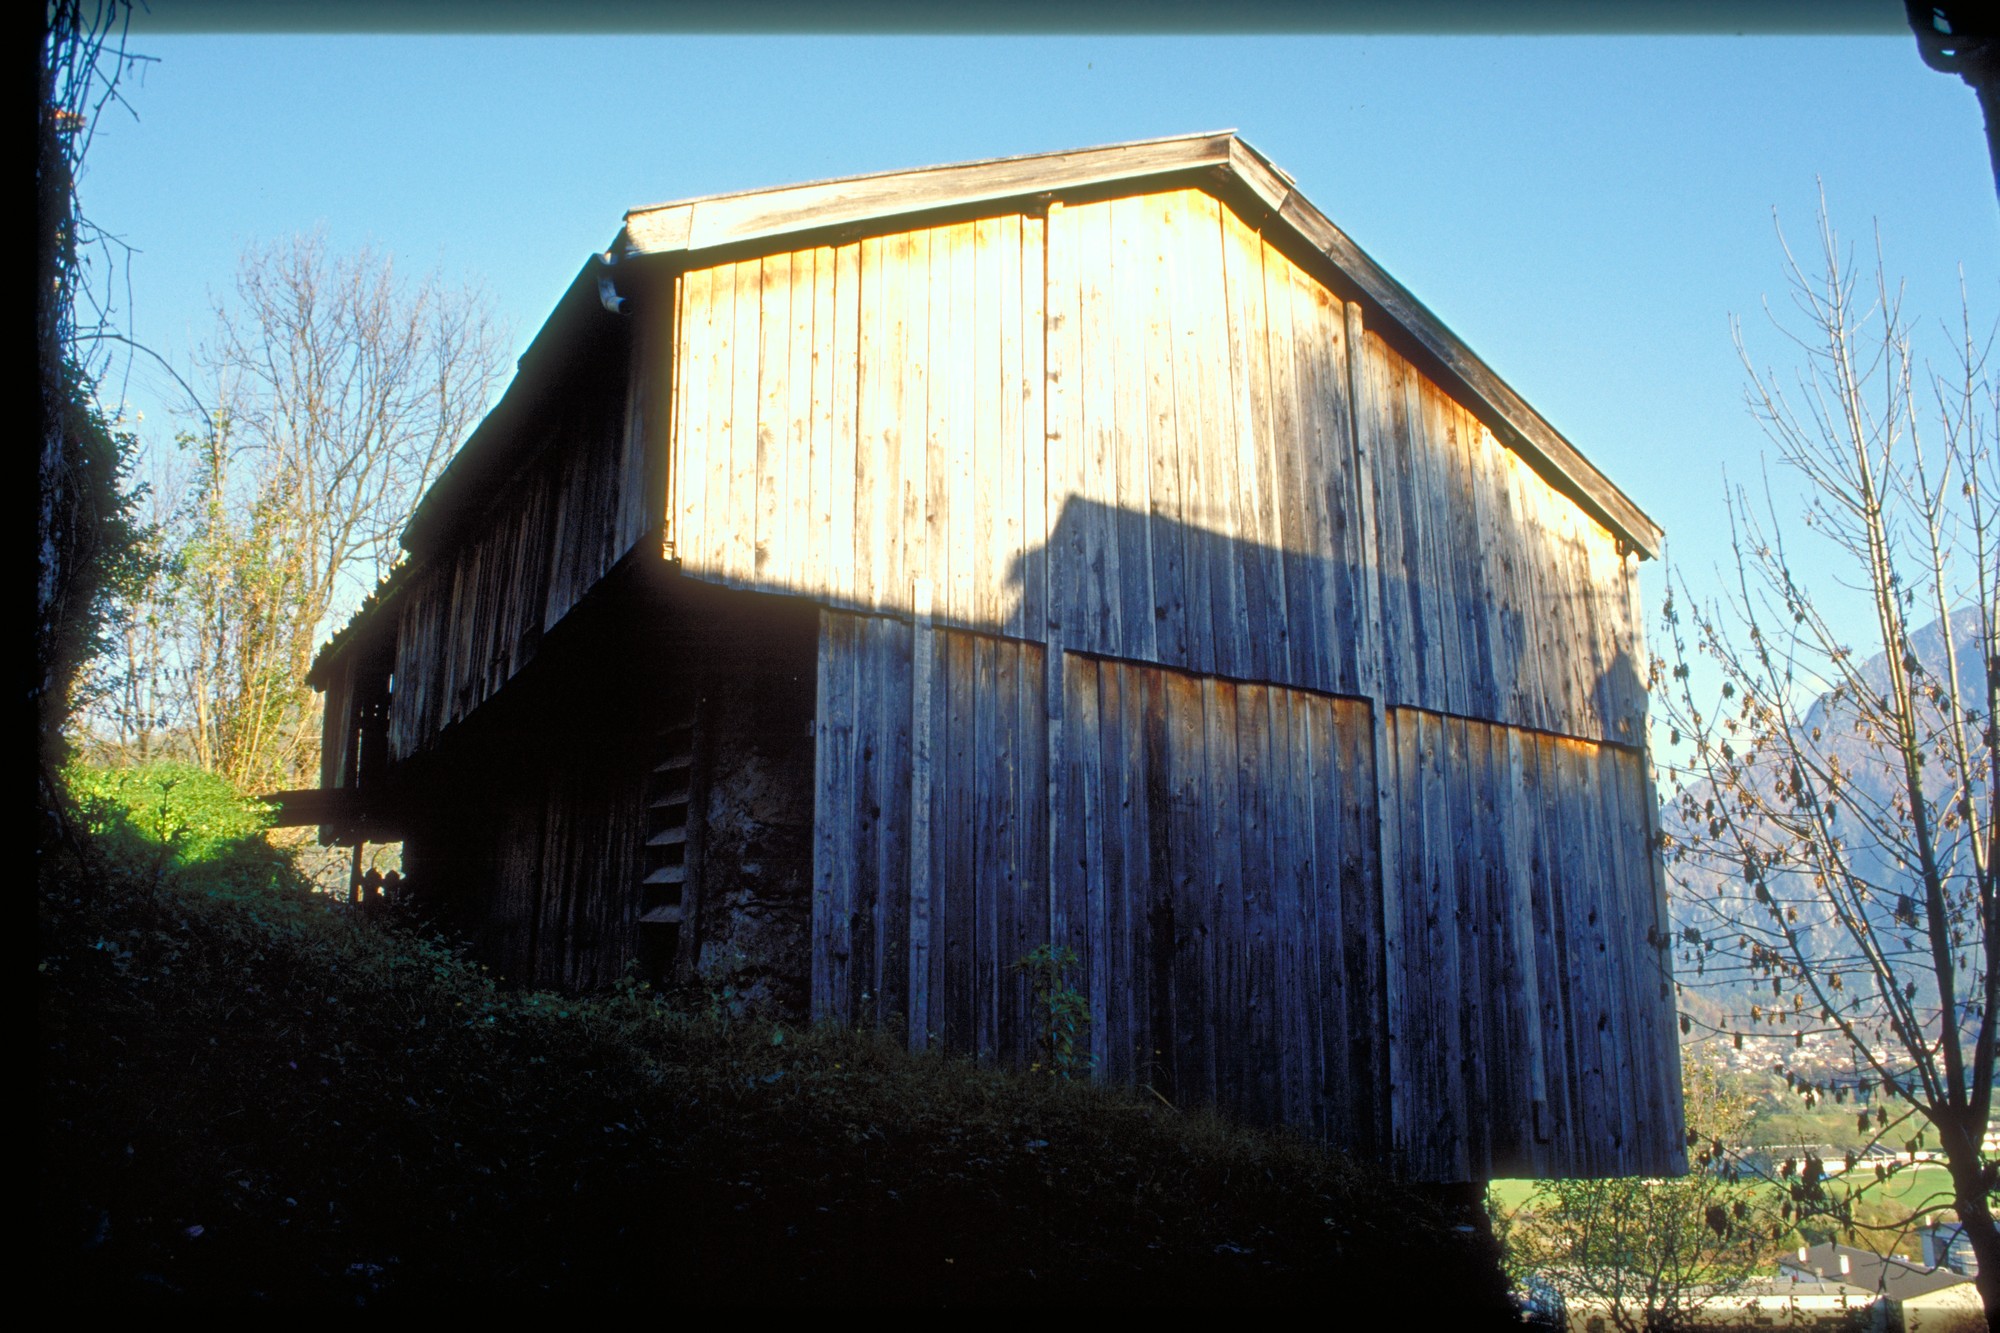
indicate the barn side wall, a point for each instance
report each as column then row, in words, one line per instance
column 531, row 855
column 1172, row 616
column 1209, row 848
column 1121, row 499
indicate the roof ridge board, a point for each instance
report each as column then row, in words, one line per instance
column 1003, row 159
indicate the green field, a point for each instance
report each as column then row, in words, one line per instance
column 1909, row 1189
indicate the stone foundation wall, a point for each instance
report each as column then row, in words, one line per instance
column 756, row 750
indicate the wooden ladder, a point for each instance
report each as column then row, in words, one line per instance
column 663, row 863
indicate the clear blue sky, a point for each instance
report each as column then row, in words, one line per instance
column 1587, row 213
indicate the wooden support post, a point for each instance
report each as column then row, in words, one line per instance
column 354, row 875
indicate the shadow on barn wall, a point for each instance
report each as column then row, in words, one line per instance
column 1216, row 855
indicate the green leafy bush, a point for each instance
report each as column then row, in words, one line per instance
column 169, row 816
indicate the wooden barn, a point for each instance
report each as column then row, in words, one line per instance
column 864, row 583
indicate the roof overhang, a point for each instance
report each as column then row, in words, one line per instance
column 716, row 226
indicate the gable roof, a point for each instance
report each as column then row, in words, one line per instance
column 1220, row 162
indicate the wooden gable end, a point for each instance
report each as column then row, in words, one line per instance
column 1137, row 427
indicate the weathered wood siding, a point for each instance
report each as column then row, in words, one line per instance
column 1174, row 615
column 850, row 419
column 1531, row 1029
column 1210, row 849
column 1215, row 871
column 930, row 866
column 474, row 613
column 557, row 906
column 336, row 750
column 1135, row 428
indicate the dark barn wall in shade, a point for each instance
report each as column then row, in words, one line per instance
column 754, row 739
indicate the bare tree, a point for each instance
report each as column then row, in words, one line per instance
column 341, row 390
column 1833, row 819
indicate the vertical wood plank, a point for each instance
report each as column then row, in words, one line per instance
column 741, row 512
column 1188, row 858
column 995, row 503
column 1034, row 388
column 1156, row 1049
column 1311, row 995
column 844, row 449
column 767, row 455
column 1254, row 947
column 922, row 677
column 955, row 828
column 1357, row 744
column 1103, row 810
column 1070, row 861
column 818, row 566
column 1032, row 821
column 999, row 863
column 1062, row 345
column 879, row 404
column 1224, row 518
column 987, row 764
column 1259, row 550
column 947, row 446
column 909, row 535
column 1293, row 458
column 894, row 685
column 865, row 907
column 1471, row 1102
column 971, row 514
column 1131, row 1043
column 1168, row 519
column 1130, row 490
column 1224, row 911
column 834, row 821
column 1000, row 299
column 795, row 568
column 1096, row 620
column 705, row 493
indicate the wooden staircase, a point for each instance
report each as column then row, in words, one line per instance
column 664, row 857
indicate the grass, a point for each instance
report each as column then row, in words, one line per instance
column 250, row 1095
column 1886, row 1202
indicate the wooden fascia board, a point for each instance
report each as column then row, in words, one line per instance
column 706, row 224
column 693, row 230
column 382, row 603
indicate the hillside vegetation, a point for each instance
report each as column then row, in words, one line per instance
column 253, row 1095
